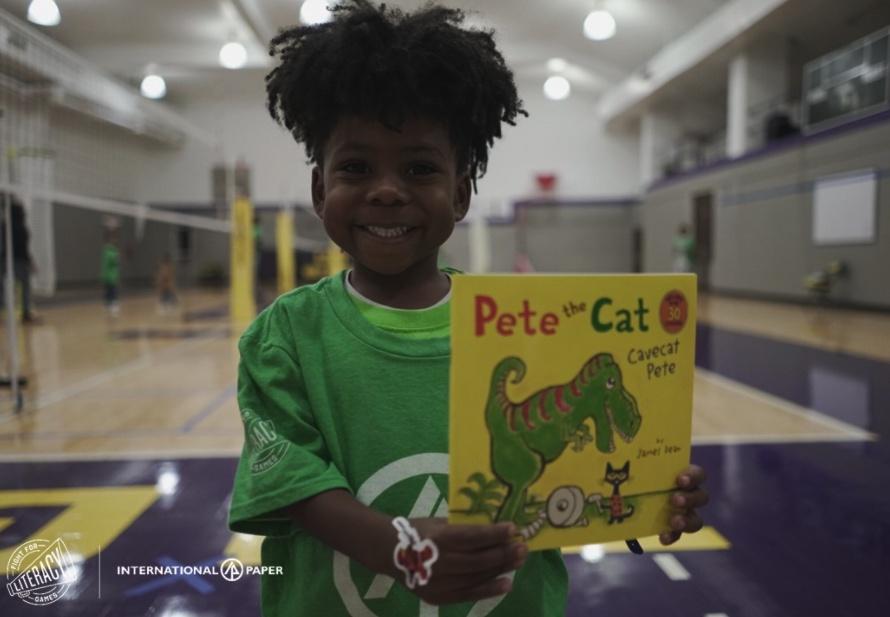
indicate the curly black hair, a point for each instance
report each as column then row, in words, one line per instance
column 377, row 62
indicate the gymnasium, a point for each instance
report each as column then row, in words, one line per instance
column 152, row 208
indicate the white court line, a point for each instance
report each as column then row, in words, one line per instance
column 671, row 566
column 769, row 438
column 850, row 432
column 51, row 398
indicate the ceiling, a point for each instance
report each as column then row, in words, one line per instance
column 181, row 38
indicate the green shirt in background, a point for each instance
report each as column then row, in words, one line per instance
column 111, row 258
column 330, row 400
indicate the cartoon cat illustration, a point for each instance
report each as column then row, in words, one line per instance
column 616, row 477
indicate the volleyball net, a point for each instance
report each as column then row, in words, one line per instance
column 82, row 152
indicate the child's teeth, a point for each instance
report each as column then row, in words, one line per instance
column 388, row 232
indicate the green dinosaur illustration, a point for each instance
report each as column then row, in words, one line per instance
column 528, row 435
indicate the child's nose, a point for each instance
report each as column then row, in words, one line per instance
column 387, row 190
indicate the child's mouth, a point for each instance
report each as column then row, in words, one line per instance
column 388, row 233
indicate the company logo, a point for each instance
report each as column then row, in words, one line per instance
column 231, row 569
column 169, row 571
column 429, row 502
column 266, row 447
column 40, row 572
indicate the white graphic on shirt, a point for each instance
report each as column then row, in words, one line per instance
column 430, row 502
column 267, row 448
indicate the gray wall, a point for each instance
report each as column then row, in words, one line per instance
column 762, row 232
column 79, row 239
column 577, row 237
column 456, row 252
column 564, row 137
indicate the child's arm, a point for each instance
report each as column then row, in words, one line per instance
column 471, row 557
column 286, row 477
column 685, row 502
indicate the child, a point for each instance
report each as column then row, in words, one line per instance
column 343, row 384
column 111, row 259
column 684, row 249
column 164, row 281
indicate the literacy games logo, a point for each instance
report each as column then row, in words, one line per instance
column 266, row 447
column 40, row 572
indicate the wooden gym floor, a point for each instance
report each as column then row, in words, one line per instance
column 148, row 384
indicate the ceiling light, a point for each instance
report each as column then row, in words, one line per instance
column 557, row 88
column 556, row 65
column 233, row 55
column 44, row 13
column 314, row 12
column 599, row 26
column 153, row 87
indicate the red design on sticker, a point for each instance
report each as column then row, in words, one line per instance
column 416, row 563
column 413, row 556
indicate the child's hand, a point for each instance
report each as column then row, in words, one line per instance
column 471, row 557
column 684, row 502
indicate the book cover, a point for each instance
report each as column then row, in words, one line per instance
column 570, row 403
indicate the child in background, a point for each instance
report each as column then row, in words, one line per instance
column 684, row 249
column 343, row 384
column 111, row 259
column 165, row 284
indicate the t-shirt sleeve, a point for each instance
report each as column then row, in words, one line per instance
column 284, row 458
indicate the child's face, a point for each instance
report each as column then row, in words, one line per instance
column 390, row 199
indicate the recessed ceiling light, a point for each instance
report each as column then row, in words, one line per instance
column 153, row 87
column 314, row 12
column 557, row 88
column 44, row 13
column 599, row 26
column 233, row 55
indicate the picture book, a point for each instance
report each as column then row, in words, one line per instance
column 570, row 403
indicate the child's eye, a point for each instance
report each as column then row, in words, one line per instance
column 353, row 167
column 421, row 169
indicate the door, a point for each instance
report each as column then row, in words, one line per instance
column 703, row 224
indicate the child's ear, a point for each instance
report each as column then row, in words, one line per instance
column 318, row 191
column 462, row 197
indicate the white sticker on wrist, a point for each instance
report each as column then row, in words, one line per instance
column 413, row 556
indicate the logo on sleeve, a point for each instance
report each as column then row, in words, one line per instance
column 266, row 447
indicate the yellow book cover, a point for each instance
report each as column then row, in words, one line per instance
column 570, row 402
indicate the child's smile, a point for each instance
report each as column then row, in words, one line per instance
column 390, row 233
column 390, row 198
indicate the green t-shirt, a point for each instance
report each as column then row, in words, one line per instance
column 330, row 400
column 111, row 259
column 431, row 322
column 684, row 245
